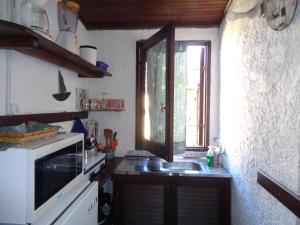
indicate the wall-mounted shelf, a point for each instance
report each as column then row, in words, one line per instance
column 107, row 110
column 23, row 39
column 14, row 120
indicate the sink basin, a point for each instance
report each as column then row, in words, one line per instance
column 161, row 166
column 182, row 166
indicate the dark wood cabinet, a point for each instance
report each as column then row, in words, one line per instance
column 174, row 200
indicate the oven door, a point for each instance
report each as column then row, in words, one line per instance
column 84, row 210
column 55, row 171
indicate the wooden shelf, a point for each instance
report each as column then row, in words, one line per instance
column 14, row 120
column 23, row 39
column 107, row 110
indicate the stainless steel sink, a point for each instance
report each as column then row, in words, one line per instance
column 158, row 165
column 182, row 166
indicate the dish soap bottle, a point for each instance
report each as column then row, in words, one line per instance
column 210, row 158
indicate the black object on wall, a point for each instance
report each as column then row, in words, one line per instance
column 62, row 94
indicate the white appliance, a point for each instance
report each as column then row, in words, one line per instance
column 68, row 12
column 84, row 210
column 42, row 181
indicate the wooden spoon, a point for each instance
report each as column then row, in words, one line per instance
column 108, row 134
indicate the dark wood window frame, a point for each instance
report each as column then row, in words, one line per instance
column 205, row 78
column 162, row 150
column 205, row 96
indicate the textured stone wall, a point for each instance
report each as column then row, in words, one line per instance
column 260, row 114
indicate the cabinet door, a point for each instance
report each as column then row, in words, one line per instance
column 139, row 205
column 197, row 206
column 84, row 210
column 204, row 204
column 154, row 101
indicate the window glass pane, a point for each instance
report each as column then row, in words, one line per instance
column 155, row 96
column 180, row 104
column 193, row 95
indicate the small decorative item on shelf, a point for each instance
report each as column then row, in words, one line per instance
column 103, row 105
column 85, row 104
column 102, row 66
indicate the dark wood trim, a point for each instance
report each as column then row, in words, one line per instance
column 208, row 94
column 165, row 151
column 205, row 80
column 107, row 171
column 146, row 26
column 280, row 192
column 202, row 87
column 103, row 74
column 140, row 91
column 157, row 37
column 170, row 90
column 23, row 39
column 197, row 149
column 43, row 118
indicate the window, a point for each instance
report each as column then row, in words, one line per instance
column 191, row 95
column 172, row 94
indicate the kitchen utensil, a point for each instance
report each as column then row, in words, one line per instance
column 115, row 135
column 92, row 129
column 68, row 12
column 108, row 134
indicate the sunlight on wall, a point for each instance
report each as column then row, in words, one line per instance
column 259, row 110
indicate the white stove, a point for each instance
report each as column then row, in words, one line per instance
column 94, row 161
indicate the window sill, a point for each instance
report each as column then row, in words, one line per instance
column 197, row 149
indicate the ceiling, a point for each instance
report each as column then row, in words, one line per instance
column 134, row 14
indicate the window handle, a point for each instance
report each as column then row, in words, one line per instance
column 162, row 107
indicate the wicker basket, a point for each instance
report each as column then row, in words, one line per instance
column 21, row 138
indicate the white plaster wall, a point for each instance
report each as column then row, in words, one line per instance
column 118, row 49
column 2, row 82
column 260, row 114
column 34, row 81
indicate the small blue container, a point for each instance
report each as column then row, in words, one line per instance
column 102, row 66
